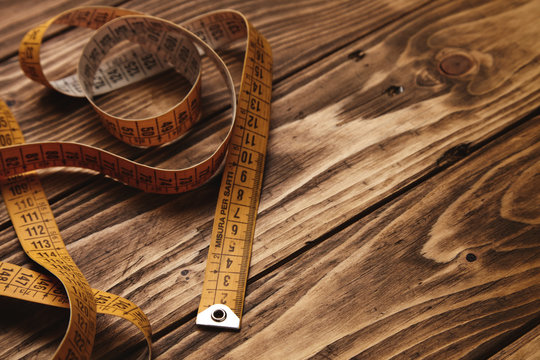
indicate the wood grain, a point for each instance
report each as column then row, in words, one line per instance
column 526, row 347
column 18, row 16
column 343, row 140
column 390, row 286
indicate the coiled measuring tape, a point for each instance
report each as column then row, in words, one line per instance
column 161, row 45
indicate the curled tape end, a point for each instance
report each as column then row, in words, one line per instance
column 218, row 315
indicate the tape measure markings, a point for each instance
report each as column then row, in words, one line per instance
column 78, row 340
column 24, row 192
column 232, row 238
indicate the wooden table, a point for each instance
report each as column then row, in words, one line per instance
column 400, row 208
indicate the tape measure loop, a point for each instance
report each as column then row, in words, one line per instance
column 241, row 154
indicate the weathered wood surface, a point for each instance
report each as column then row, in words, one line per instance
column 17, row 15
column 344, row 142
column 526, row 347
column 434, row 274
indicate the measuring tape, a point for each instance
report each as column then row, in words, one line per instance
column 39, row 236
column 160, row 45
column 25, row 284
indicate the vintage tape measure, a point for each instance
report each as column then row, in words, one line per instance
column 162, row 45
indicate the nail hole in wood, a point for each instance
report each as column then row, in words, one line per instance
column 394, row 90
column 470, row 257
column 357, row 55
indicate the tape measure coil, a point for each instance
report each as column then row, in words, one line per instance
column 245, row 146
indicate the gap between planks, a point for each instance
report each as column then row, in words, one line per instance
column 343, row 46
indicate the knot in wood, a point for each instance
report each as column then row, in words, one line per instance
column 456, row 65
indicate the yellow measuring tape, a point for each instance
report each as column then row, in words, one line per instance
column 160, row 45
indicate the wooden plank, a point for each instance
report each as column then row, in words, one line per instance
column 526, row 347
column 351, row 157
column 444, row 272
column 18, row 16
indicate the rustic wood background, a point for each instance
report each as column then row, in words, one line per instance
column 400, row 209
